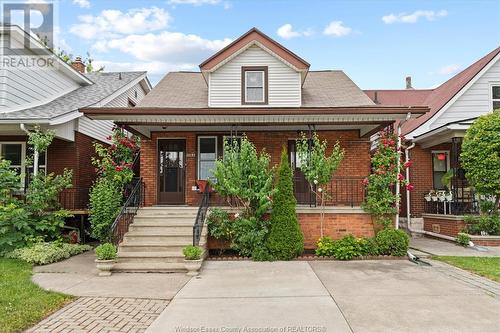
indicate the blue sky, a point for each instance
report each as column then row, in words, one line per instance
column 377, row 43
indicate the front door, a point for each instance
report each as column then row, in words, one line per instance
column 171, row 171
column 301, row 186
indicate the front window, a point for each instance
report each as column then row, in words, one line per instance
column 496, row 97
column 207, row 155
column 440, row 165
column 13, row 152
column 254, row 85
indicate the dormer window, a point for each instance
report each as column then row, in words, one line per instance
column 254, row 85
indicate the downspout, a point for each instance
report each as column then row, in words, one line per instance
column 398, row 166
column 407, row 159
column 35, row 152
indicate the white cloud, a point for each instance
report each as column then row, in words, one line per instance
column 154, row 68
column 194, row 2
column 430, row 15
column 449, row 69
column 165, row 47
column 82, row 3
column 337, row 29
column 112, row 23
column 286, row 31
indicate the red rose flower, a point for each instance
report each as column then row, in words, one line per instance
column 365, row 181
column 409, row 187
column 408, row 164
column 401, row 177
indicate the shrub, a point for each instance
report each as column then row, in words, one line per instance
column 392, row 242
column 480, row 155
column 106, row 251
column 285, row 240
column 489, row 224
column 46, row 253
column 219, row 224
column 249, row 236
column 105, row 202
column 191, row 252
column 463, row 239
column 346, row 248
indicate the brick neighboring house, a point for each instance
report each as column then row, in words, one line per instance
column 257, row 87
column 437, row 136
column 50, row 97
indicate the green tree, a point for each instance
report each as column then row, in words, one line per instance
column 318, row 168
column 480, row 156
column 285, row 240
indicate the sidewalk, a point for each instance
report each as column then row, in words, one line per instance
column 445, row 248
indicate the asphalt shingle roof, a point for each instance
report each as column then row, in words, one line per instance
column 104, row 85
column 320, row 89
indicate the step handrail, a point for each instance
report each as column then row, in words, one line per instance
column 128, row 211
column 201, row 215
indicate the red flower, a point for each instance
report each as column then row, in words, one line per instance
column 392, row 142
column 409, row 187
column 408, row 164
column 401, row 177
column 108, row 137
column 119, row 168
column 365, row 181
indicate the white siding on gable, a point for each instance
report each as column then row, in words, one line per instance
column 100, row 129
column 225, row 82
column 122, row 100
column 23, row 88
column 474, row 102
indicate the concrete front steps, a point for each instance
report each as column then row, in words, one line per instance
column 156, row 238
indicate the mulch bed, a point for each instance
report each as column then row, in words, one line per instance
column 307, row 256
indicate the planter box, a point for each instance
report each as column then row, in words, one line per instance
column 485, row 240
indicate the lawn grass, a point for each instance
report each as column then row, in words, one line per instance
column 22, row 303
column 485, row 266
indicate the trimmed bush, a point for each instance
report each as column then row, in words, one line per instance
column 346, row 248
column 46, row 253
column 219, row 224
column 105, row 251
column 393, row 242
column 463, row 239
column 285, row 240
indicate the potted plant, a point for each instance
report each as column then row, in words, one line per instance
column 427, row 197
column 441, row 195
column 192, row 259
column 434, row 196
column 449, row 196
column 106, row 255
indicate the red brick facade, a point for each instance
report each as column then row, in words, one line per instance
column 336, row 225
column 356, row 162
column 421, row 178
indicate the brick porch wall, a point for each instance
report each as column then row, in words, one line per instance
column 448, row 225
column 356, row 162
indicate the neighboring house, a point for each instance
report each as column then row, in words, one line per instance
column 437, row 136
column 50, row 97
column 257, row 87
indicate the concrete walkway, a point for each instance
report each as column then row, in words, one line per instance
column 444, row 248
column 332, row 296
column 77, row 276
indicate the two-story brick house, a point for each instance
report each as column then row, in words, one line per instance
column 257, row 87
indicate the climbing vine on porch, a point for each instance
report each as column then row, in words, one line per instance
column 381, row 198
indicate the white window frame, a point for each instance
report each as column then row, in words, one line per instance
column 23, row 158
column 263, row 85
column 493, row 84
column 448, row 158
column 198, row 153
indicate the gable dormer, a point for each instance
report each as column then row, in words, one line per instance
column 254, row 71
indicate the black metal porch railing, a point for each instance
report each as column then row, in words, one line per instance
column 201, row 215
column 463, row 201
column 134, row 195
column 341, row 191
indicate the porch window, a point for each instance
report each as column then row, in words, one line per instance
column 207, row 155
column 496, row 97
column 254, row 85
column 440, row 165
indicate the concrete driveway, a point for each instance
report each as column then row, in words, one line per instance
column 332, row 296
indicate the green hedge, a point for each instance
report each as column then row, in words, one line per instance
column 46, row 253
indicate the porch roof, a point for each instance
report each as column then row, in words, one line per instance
column 445, row 133
column 367, row 119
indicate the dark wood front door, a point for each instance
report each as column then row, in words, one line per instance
column 171, row 171
column 301, row 186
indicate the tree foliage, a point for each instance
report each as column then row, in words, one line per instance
column 245, row 175
column 480, row 155
column 285, row 240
